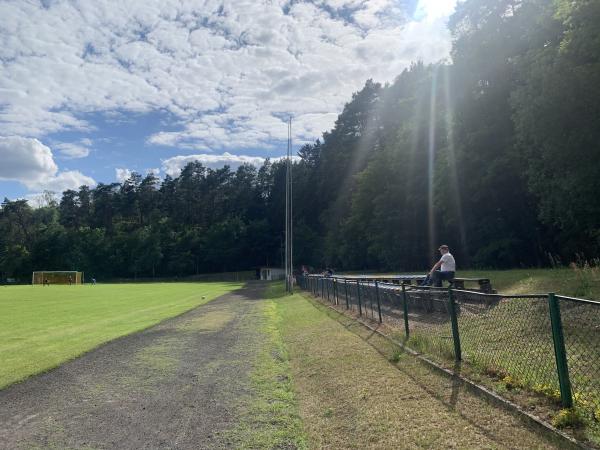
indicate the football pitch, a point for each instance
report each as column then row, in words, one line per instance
column 42, row 327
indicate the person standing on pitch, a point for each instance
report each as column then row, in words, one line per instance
column 446, row 266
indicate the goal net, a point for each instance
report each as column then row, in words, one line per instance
column 57, row 277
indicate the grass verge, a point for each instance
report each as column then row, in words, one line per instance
column 42, row 327
column 351, row 397
column 507, row 347
column 270, row 417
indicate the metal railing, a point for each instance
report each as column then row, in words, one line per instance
column 546, row 343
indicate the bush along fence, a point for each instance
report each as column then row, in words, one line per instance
column 549, row 344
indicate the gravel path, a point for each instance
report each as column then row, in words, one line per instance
column 172, row 386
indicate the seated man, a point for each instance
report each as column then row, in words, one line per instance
column 446, row 266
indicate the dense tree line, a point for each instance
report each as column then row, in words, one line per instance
column 202, row 221
column 496, row 154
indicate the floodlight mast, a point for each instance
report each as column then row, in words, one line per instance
column 287, row 218
column 289, row 260
column 291, row 165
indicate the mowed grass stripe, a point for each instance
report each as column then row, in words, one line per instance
column 42, row 327
column 350, row 396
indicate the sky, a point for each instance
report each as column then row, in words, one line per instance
column 92, row 90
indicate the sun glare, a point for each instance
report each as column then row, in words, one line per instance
column 434, row 9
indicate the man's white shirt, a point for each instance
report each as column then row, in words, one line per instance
column 448, row 263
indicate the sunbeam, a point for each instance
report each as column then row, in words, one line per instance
column 453, row 174
column 431, row 148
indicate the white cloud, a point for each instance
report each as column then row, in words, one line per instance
column 72, row 151
column 122, row 174
column 41, row 199
column 31, row 163
column 172, row 166
column 68, row 179
column 25, row 159
column 228, row 72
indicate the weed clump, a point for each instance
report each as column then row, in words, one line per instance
column 567, row 418
column 396, row 355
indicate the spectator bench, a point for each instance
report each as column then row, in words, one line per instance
column 484, row 284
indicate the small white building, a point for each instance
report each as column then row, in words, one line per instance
column 272, row 273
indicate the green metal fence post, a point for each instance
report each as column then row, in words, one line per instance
column 560, row 352
column 378, row 302
column 358, row 294
column 346, row 291
column 370, row 294
column 335, row 293
column 404, row 299
column 454, row 320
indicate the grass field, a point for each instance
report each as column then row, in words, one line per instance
column 42, row 327
column 575, row 282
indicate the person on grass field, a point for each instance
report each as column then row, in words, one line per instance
column 446, row 266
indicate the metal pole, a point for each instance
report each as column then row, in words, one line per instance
column 454, row 320
column 405, row 309
column 358, row 294
column 378, row 302
column 290, row 165
column 335, row 296
column 287, row 213
column 346, row 290
column 566, row 396
column 332, row 291
column 371, row 301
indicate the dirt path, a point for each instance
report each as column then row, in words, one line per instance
column 174, row 385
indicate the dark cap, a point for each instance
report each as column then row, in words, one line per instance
column 444, row 246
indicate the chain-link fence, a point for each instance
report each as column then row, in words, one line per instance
column 581, row 330
column 548, row 344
